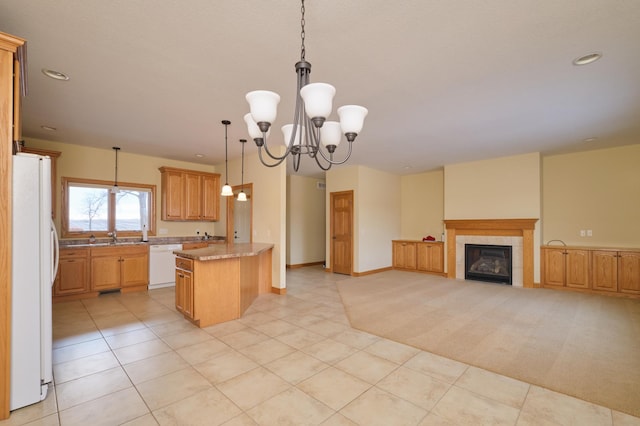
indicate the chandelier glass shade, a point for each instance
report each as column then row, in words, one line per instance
column 226, row 189
column 310, row 132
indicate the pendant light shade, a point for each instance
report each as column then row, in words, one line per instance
column 114, row 188
column 226, row 189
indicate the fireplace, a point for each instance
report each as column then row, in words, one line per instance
column 490, row 263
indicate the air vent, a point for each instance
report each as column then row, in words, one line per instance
column 321, row 185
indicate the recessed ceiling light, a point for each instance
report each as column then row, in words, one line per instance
column 587, row 59
column 56, row 75
column 408, row 167
column 590, row 139
column 200, row 155
column 48, row 128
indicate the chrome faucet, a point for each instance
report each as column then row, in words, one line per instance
column 114, row 236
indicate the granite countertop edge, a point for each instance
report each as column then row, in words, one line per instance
column 81, row 243
column 225, row 251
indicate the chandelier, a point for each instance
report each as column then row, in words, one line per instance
column 310, row 132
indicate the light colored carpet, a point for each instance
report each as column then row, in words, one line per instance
column 582, row 345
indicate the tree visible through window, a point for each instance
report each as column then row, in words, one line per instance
column 89, row 207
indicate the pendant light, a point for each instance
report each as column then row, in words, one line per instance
column 114, row 188
column 226, row 189
column 242, row 196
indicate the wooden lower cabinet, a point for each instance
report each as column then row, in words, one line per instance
column 423, row 256
column 610, row 271
column 118, row 267
column 184, row 287
column 73, row 273
column 565, row 267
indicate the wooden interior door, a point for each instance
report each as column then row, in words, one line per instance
column 341, row 230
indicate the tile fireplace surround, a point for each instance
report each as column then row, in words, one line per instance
column 515, row 232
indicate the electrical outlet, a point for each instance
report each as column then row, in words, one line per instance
column 197, row 231
column 589, row 233
column 582, row 233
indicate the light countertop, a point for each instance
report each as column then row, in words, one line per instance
column 224, row 251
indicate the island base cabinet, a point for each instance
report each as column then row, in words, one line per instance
column 184, row 292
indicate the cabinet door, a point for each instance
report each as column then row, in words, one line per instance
column 629, row 272
column 188, row 294
column 172, row 196
column 604, row 270
column 72, row 277
column 577, row 268
column 180, row 290
column 404, row 255
column 553, row 266
column 105, row 273
column 192, row 193
column 135, row 270
column 210, row 197
column 429, row 257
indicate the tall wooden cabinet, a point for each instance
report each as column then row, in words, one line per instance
column 189, row 195
column 9, row 132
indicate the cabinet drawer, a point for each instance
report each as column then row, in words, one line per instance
column 69, row 253
column 182, row 263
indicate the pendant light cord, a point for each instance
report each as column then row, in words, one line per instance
column 226, row 157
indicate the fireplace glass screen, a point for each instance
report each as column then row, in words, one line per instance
column 490, row 263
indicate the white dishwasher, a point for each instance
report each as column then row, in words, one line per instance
column 162, row 265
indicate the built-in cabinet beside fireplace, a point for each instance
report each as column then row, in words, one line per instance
column 606, row 270
column 422, row 256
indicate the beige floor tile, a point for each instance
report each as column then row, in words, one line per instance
column 133, row 353
column 146, row 420
column 112, row 409
column 355, row 338
column 209, row 407
column 417, row 388
column 377, row 407
column 79, row 350
column 330, row 351
column 266, row 351
column 255, row 318
column 34, row 412
column 296, row 367
column 173, row 387
column 436, row 366
column 275, row 328
column 494, row 386
column 222, row 329
column 622, row 419
column 225, row 367
column 201, row 352
column 334, row 387
column 63, row 336
column 50, row 420
column 168, row 328
column 241, row 420
column 187, row 338
column 338, row 420
column 130, row 338
column 464, row 407
column 435, row 420
column 545, row 407
column 156, row 366
column 253, row 387
column 393, row 351
column 77, row 368
column 243, row 338
column 291, row 407
column 158, row 318
column 367, row 367
column 300, row 338
column 91, row 387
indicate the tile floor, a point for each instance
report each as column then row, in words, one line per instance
column 291, row 360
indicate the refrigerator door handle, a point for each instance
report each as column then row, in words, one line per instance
column 56, row 251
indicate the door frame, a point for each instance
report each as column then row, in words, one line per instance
column 332, row 196
column 230, row 203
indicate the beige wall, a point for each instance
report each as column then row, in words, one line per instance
column 306, row 217
column 376, row 213
column 422, row 205
column 500, row 188
column 597, row 190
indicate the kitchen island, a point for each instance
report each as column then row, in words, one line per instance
column 218, row 283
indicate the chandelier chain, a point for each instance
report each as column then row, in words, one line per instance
column 302, row 33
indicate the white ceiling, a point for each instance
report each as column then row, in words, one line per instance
column 444, row 81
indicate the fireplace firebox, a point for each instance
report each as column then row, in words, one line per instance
column 489, row 263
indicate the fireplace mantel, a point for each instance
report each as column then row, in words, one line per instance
column 493, row 227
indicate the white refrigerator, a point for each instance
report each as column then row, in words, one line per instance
column 35, row 262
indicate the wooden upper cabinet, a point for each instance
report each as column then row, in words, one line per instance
column 189, row 195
